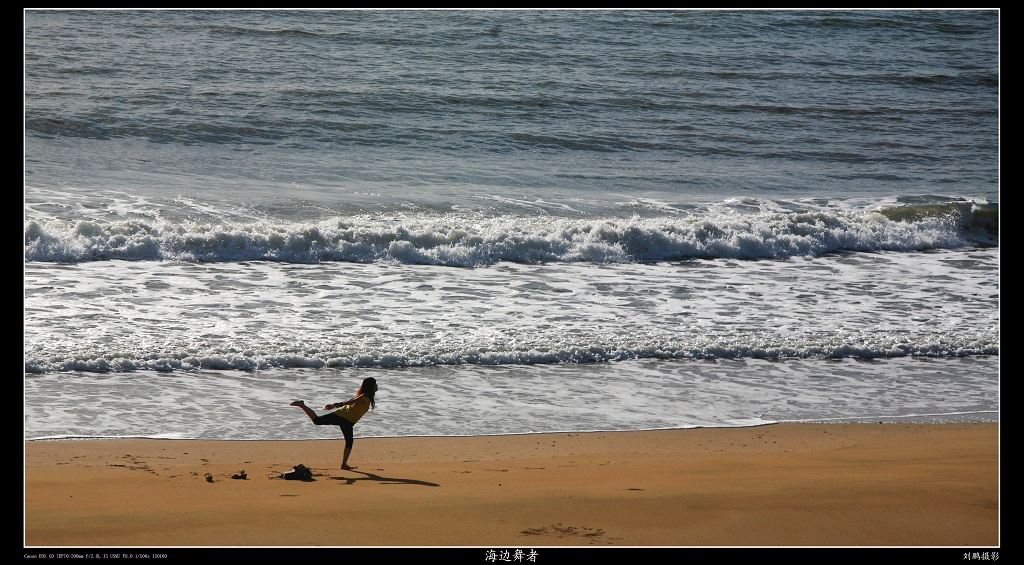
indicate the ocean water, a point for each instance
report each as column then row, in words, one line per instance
column 516, row 221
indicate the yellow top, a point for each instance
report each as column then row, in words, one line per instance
column 352, row 412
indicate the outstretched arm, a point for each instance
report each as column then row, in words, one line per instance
column 337, row 405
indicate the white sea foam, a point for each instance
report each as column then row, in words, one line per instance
column 475, row 400
column 471, row 240
column 127, row 316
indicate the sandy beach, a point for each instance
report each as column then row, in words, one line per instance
column 778, row 485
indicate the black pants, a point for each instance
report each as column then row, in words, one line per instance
column 332, row 419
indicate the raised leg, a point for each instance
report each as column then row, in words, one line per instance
column 309, row 411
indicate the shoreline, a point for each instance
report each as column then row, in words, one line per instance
column 791, row 484
column 985, row 417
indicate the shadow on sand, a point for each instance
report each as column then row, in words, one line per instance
column 383, row 480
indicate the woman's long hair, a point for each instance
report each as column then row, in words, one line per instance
column 367, row 389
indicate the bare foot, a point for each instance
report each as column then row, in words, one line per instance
column 298, row 403
column 346, row 467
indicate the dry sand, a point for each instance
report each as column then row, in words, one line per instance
column 779, row 485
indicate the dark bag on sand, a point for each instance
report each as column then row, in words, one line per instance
column 299, row 472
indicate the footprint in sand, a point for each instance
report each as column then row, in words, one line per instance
column 560, row 531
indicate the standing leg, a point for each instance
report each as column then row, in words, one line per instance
column 346, row 428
